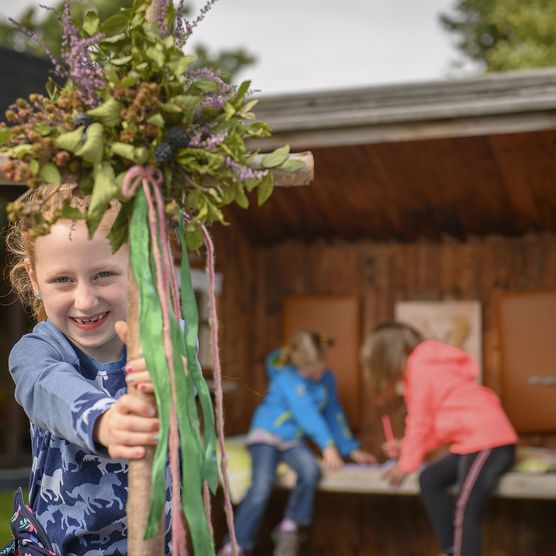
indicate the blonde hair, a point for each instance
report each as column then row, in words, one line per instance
column 385, row 351
column 306, row 346
column 20, row 239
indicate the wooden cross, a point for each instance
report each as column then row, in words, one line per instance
column 139, row 479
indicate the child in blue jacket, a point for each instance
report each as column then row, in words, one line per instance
column 301, row 401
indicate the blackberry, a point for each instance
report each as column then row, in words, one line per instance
column 177, row 138
column 163, row 153
column 82, row 119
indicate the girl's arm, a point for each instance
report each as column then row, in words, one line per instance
column 417, row 441
column 54, row 395
column 305, row 412
column 336, row 419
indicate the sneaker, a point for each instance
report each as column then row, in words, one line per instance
column 286, row 544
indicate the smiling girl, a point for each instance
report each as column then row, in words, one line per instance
column 70, row 379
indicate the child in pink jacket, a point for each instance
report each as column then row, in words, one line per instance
column 445, row 407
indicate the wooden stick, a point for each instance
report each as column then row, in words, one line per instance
column 303, row 176
column 140, row 471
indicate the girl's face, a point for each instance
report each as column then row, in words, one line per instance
column 313, row 369
column 83, row 286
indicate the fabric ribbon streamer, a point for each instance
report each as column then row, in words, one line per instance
column 168, row 329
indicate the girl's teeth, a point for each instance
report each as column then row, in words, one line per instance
column 88, row 321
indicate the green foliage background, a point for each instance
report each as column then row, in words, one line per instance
column 505, row 35
column 45, row 23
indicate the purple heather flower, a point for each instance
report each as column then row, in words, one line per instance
column 219, row 98
column 184, row 28
column 163, row 10
column 85, row 73
column 244, row 172
column 58, row 69
column 209, row 142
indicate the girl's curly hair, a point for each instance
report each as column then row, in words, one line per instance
column 20, row 240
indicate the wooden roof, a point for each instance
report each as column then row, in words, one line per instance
column 493, row 103
column 456, row 158
column 499, row 184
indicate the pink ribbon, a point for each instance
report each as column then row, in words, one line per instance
column 141, row 175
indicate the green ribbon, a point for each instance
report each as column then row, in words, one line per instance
column 198, row 458
column 191, row 318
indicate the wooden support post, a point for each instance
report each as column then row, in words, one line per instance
column 140, row 471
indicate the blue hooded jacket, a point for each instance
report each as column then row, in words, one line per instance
column 295, row 407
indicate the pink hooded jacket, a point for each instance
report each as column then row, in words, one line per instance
column 445, row 406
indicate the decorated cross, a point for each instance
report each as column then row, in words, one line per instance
column 136, row 123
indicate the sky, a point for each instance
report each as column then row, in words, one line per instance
column 309, row 45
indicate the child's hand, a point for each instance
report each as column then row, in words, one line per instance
column 127, row 427
column 136, row 369
column 137, row 375
column 392, row 448
column 331, row 459
column 395, row 475
column 362, row 458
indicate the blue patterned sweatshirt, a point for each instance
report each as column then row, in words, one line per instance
column 77, row 492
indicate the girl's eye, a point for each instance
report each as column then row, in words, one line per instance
column 61, row 280
column 104, row 274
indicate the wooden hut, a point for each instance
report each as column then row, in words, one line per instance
column 428, row 192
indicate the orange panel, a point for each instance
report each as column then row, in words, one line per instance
column 336, row 316
column 527, row 324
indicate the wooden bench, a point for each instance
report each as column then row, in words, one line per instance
column 368, row 480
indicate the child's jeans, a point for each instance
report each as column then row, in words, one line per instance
column 264, row 460
column 458, row 526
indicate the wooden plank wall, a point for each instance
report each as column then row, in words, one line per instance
column 257, row 279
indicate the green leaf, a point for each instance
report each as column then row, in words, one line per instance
column 206, row 86
column 104, row 190
column 193, row 237
column 248, row 106
column 93, row 149
column 43, row 129
column 156, row 55
column 108, row 113
column 240, row 197
column 229, row 110
column 265, row 188
column 35, row 167
column 180, row 64
column 277, row 157
column 170, row 107
column 86, row 183
column 20, row 151
column 72, row 140
column 114, row 25
column 119, row 232
column 139, row 155
column 90, row 23
column 50, row 174
column 241, row 92
column 68, row 212
column 5, row 135
column 114, row 38
column 291, row 165
column 188, row 103
column 131, row 79
column 121, row 61
column 157, row 120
